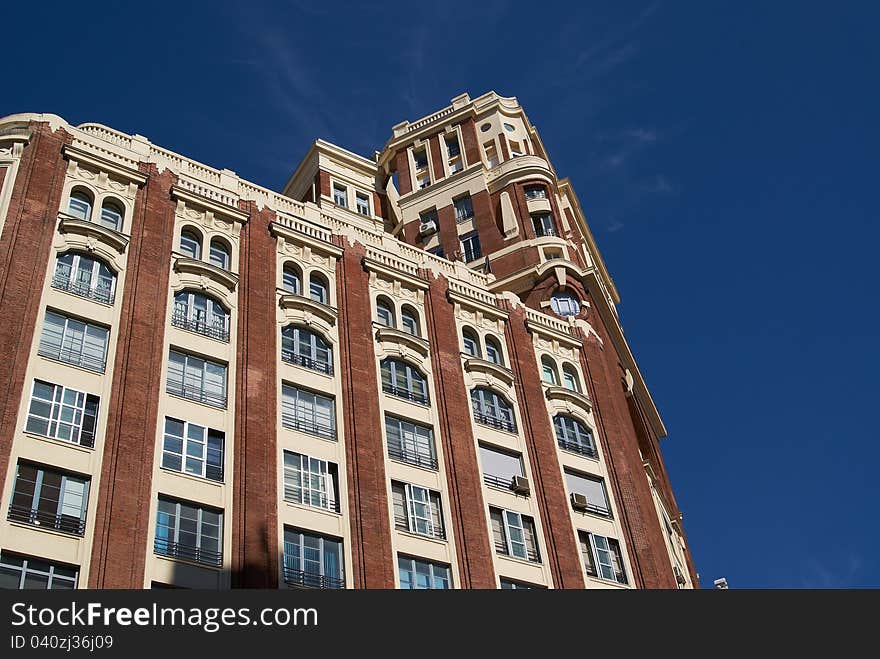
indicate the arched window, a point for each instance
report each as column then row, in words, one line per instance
column 470, row 342
column 493, row 351
column 491, row 409
column 306, row 348
column 565, row 304
column 404, row 380
column 318, row 289
column 191, row 244
column 291, row 279
column 84, row 276
column 385, row 312
column 409, row 321
column 549, row 374
column 572, row 435
column 80, row 205
column 570, row 379
column 111, row 215
column 202, row 314
column 219, row 254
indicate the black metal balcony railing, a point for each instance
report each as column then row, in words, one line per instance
column 501, row 482
column 400, row 392
column 309, row 426
column 187, row 553
column 596, row 510
column 575, row 447
column 74, row 357
column 319, row 365
column 81, row 289
column 321, row 501
column 311, row 580
column 619, row 577
column 402, row 454
column 47, row 520
column 402, row 523
column 494, row 422
column 532, row 554
column 196, row 393
column 213, row 330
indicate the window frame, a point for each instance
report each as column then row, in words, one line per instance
column 296, row 410
column 219, row 245
column 411, row 374
column 572, row 442
column 316, row 477
column 340, row 192
column 66, row 350
column 193, row 236
column 186, row 316
column 56, row 411
column 504, row 419
column 470, row 246
column 73, row 282
column 116, row 212
column 411, row 446
column 411, row 568
column 199, row 394
column 212, row 470
column 359, row 197
column 174, row 549
column 291, row 349
column 36, row 513
column 81, row 196
column 319, row 283
column 24, row 569
column 294, row 537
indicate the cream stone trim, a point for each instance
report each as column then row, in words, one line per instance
column 91, row 238
column 569, row 396
column 317, row 240
column 298, row 309
column 193, row 194
column 103, row 164
column 185, row 265
column 404, row 342
column 490, row 371
column 386, row 269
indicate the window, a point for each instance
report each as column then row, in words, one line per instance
column 304, row 347
column 535, row 192
column 404, row 381
column 49, row 499
column 385, row 312
column 499, row 467
column 491, row 153
column 193, row 449
column 201, row 314
column 74, row 342
column 111, row 215
column 572, row 435
column 310, row 481
column 80, row 205
column 417, row 510
column 470, row 247
column 84, row 276
column 219, row 255
column 515, row 148
column 509, row 128
column 438, row 251
column 20, row 573
column 197, row 379
column 464, row 208
column 423, row 181
column 493, row 351
column 190, row 532
column 340, row 195
column 318, row 289
column 485, row 127
column 514, row 535
column 470, row 342
column 491, row 409
column 548, row 371
column 422, row 575
column 570, row 378
column 308, row 412
column 409, row 321
column 452, row 147
column 565, row 304
column 62, row 413
column 291, row 279
column 591, row 487
column 602, row 557
column 543, row 225
column 190, row 244
column 312, row 561
column 362, row 202
column 507, row 584
column 420, row 157
column 409, row 442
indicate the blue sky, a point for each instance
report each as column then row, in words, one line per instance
column 726, row 156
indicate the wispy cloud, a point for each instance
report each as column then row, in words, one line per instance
column 843, row 573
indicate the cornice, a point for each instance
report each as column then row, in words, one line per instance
column 218, row 209
column 196, row 267
column 114, row 239
column 293, row 301
column 104, row 164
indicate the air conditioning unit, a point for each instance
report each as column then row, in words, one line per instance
column 679, row 575
column 427, row 228
column 520, row 485
column 579, row 501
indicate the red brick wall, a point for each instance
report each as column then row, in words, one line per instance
column 471, row 145
column 374, row 564
column 403, row 174
column 505, row 154
column 3, row 171
column 255, row 492
column 436, row 158
column 122, row 521
column 323, row 184
column 467, row 509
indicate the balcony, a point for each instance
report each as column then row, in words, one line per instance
column 531, row 554
column 402, row 524
column 406, row 394
column 402, row 454
column 568, row 395
column 619, row 577
column 73, row 357
column 303, row 579
column 216, row 331
column 315, row 500
column 81, row 289
column 46, row 520
column 308, row 426
column 493, row 422
column 500, row 482
column 292, row 357
column 187, row 553
column 580, row 449
column 197, row 394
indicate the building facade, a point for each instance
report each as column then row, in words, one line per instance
column 403, row 371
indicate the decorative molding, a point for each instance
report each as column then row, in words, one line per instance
column 477, row 365
column 495, row 313
column 567, row 395
column 287, row 234
column 396, row 336
column 185, row 264
column 93, row 233
column 104, row 164
column 389, row 272
column 307, row 308
column 218, row 209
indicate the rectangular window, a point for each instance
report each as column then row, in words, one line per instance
column 420, row 158
column 22, row 573
column 62, row 413
column 536, row 192
column 362, row 202
column 470, row 247
column 312, row 561
column 438, row 251
column 308, row 412
column 602, row 557
column 74, row 342
column 196, row 378
column 491, row 153
column 49, row 499
column 340, row 195
column 193, row 449
column 508, row 584
column 416, row 574
column 417, row 510
column 409, row 442
column 423, row 181
column 592, row 488
column 499, row 467
column 514, row 534
column 515, row 148
column 464, row 208
column 310, row 481
column 189, row 532
column 453, row 153
column 543, row 225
